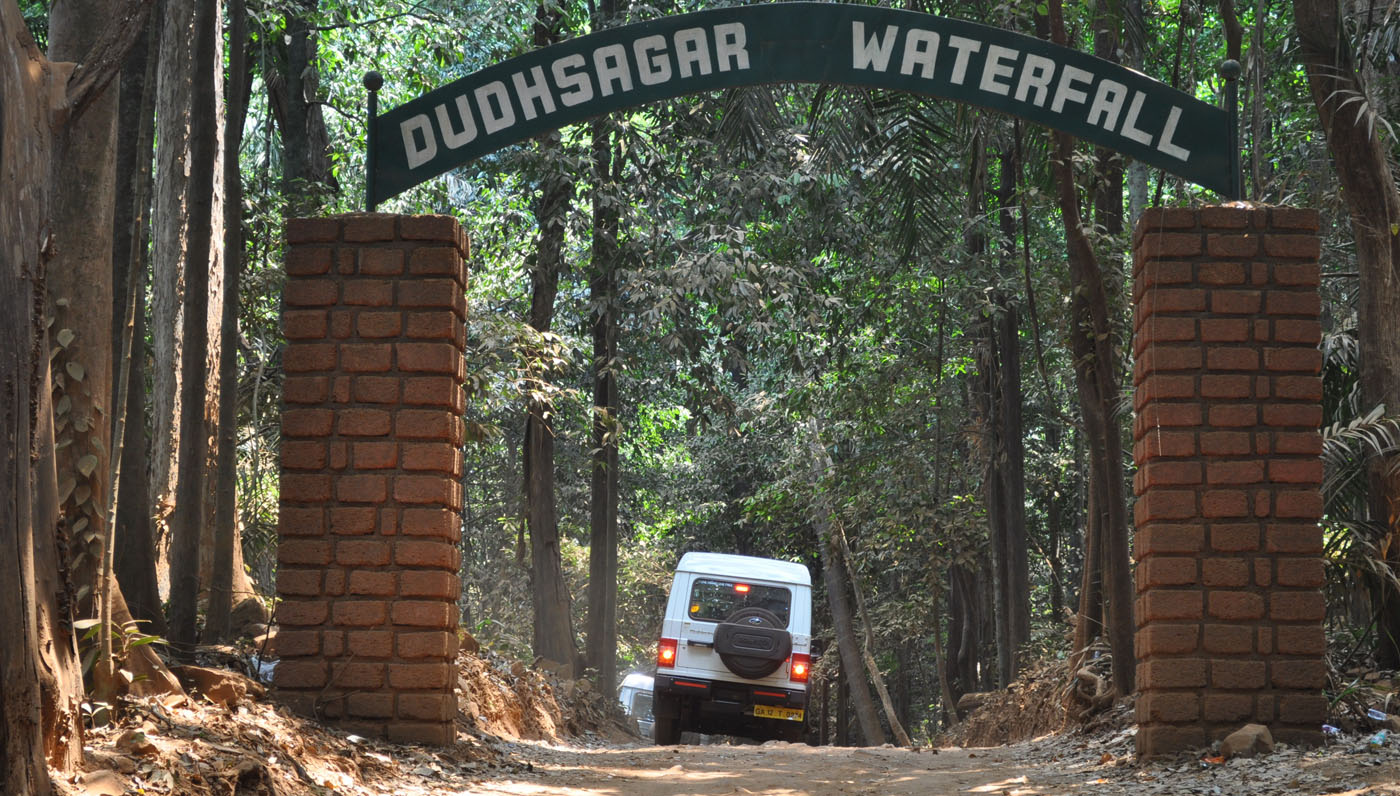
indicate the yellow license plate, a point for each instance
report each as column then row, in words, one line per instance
column 771, row 712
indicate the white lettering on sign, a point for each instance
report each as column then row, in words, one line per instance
column 573, row 80
column 1026, row 78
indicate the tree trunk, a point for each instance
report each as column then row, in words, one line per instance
column 1096, row 376
column 553, row 633
column 225, row 539
column 602, row 552
column 188, row 520
column 135, row 550
column 834, row 578
column 1369, row 188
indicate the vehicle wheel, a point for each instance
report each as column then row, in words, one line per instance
column 667, row 731
column 738, row 660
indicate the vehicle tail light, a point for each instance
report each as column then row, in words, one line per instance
column 666, row 652
column 799, row 666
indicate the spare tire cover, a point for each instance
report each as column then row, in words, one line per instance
column 752, row 642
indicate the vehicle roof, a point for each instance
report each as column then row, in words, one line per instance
column 637, row 680
column 732, row 566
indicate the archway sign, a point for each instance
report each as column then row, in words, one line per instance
column 1058, row 87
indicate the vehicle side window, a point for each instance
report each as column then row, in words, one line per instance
column 713, row 600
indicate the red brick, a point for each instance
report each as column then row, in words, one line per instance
column 1224, row 330
column 1159, row 218
column 1308, row 675
column 376, row 455
column 1220, row 358
column 299, row 521
column 1298, row 274
column 428, row 357
column 1284, row 471
column 1221, row 273
column 302, row 613
column 364, row 422
column 1173, row 673
column 1225, row 443
column 1167, row 539
column 432, row 326
column 308, row 260
column 433, row 457
column 1234, row 472
column 381, row 262
column 296, row 643
column 1224, row 572
column 1219, row 217
column 1166, row 604
column 1297, row 606
column 305, row 488
column 1304, row 538
column 429, row 227
column 1170, row 414
column 1234, row 415
column 1168, row 444
column 368, row 293
column 1156, row 741
column 365, row 357
column 435, row 261
column 430, row 391
column 300, row 674
column 305, row 389
column 422, row 733
column 362, row 553
column 369, row 227
column 1298, row 504
column 1237, row 675
column 352, row 521
column 305, row 357
column 1299, row 388
column 304, row 324
column 375, row 584
column 425, row 424
column 1167, row 244
column 369, row 705
column 1167, row 357
column 438, row 523
column 1165, row 504
column 1224, row 503
column 1160, row 300
column 421, row 676
column 1301, row 639
column 379, row 324
column 429, row 293
column 335, row 587
column 1293, row 218
column 312, row 230
column 1234, row 302
column 427, row 707
column 306, row 422
column 310, row 293
column 1307, row 443
column 1293, row 358
column 424, row 613
column 1301, row 572
column 359, row 613
column 362, row 489
column 353, row 675
column 1168, row 707
column 1158, row 387
column 1166, row 571
column 1227, row 708
column 420, row 489
column 1307, row 333
column 1292, row 415
column 427, row 645
column 341, row 324
column 376, row 389
column 1283, row 302
column 1236, row 605
column 432, row 554
column 1234, row 537
column 292, row 582
column 1302, row 247
column 303, row 455
column 1161, row 638
column 441, row 585
column 1306, row 709
column 1225, row 386
column 1246, row 245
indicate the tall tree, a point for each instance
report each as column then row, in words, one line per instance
column 1338, row 79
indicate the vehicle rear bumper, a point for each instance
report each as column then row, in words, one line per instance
column 721, row 696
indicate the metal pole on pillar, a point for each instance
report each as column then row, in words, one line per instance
column 372, row 81
column 1231, row 70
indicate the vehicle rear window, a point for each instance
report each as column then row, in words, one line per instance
column 714, row 600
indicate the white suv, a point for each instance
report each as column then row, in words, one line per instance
column 735, row 649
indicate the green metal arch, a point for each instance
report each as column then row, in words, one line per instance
column 625, row 67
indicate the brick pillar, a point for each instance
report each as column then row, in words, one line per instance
column 374, row 311
column 1228, row 401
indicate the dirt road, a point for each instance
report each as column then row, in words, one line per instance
column 1050, row 767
